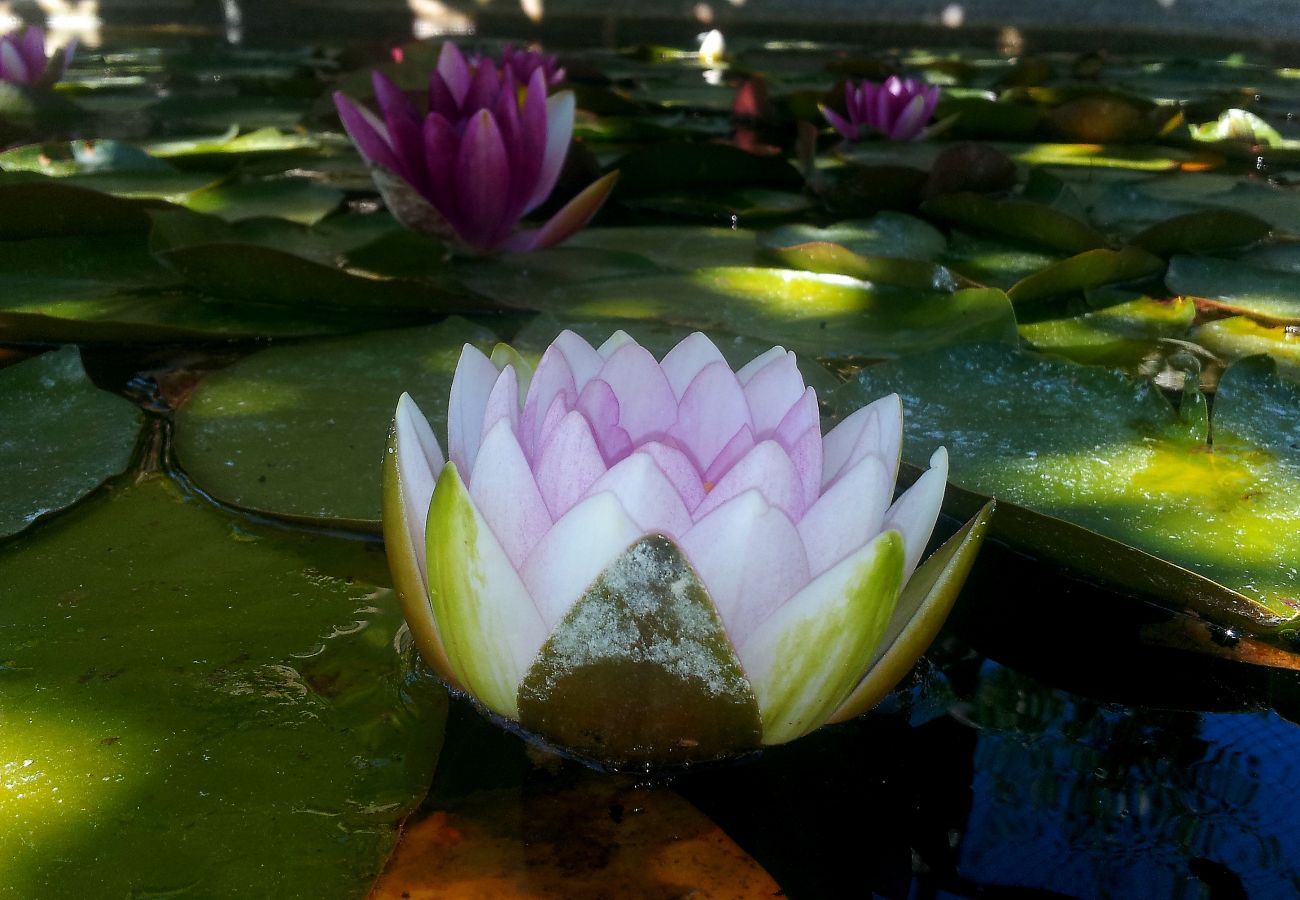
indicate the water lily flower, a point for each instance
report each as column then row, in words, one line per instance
column 488, row 152
column 23, row 59
column 898, row 109
column 655, row 562
column 522, row 62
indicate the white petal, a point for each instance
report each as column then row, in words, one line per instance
column 647, row 495
column 419, row 460
column 470, row 388
column 551, row 380
column 506, row 495
column 772, row 391
column 614, row 342
column 847, row 516
column 576, row 549
column 584, row 361
column 750, row 558
column 502, row 403
column 758, row 363
column 915, row 513
column 876, row 428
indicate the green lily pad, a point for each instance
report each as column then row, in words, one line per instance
column 835, row 259
column 38, row 207
column 1205, row 231
column 298, row 200
column 674, row 247
column 640, row 670
column 887, row 234
column 1122, row 335
column 48, row 406
column 734, row 205
column 1083, row 460
column 1090, row 269
column 822, row 316
column 1021, row 220
column 1238, row 336
column 298, row 431
column 222, row 694
column 994, row 261
column 1263, row 293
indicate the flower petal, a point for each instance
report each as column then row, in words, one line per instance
column 404, row 130
column 800, row 434
column 848, row 515
column 470, row 388
column 600, row 405
column 915, row 513
column 876, row 429
column 568, row 220
column 552, row 378
column 647, row 405
column 749, row 556
column 766, row 469
column 807, row 657
column 454, row 72
column 771, row 391
column 711, row 411
column 647, row 495
column 686, row 360
column 368, row 133
column 506, row 495
column 618, row 339
column 577, row 548
column 12, row 65
column 568, row 464
column 909, row 122
column 489, row 624
column 741, row 443
column 502, row 403
column 679, row 470
column 482, row 183
column 584, row 361
column 560, row 110
column 411, row 466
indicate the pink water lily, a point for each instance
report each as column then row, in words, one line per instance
column 899, row 109
column 651, row 561
column 23, row 59
column 488, row 152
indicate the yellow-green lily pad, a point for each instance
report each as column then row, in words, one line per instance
column 1238, row 336
column 1121, row 335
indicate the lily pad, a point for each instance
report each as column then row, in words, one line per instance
column 1238, row 336
column 1205, row 231
column 1121, row 335
column 674, row 247
column 1263, row 293
column 994, row 261
column 240, row 711
column 1090, row 269
column 38, row 207
column 48, row 406
column 298, row 200
column 1022, row 220
column 298, row 431
column 822, row 316
column 1084, row 460
column 889, row 234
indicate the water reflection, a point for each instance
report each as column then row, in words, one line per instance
column 68, row 21
column 434, row 19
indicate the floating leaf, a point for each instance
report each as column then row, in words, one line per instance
column 1083, row 460
column 891, row 234
column 223, row 694
column 1263, row 293
column 674, row 247
column 1023, row 220
column 1122, row 335
column 1237, row 336
column 49, row 406
column 1205, row 231
column 295, row 199
column 298, row 431
column 1091, row 269
column 40, row 207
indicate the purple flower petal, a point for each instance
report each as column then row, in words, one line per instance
column 12, row 65
column 482, row 184
column 571, row 218
column 560, row 109
column 441, row 150
column 404, row 131
column 454, row 73
column 368, row 133
column 910, row 121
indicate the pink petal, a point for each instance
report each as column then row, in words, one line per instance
column 600, row 405
column 771, row 391
column 647, row 495
column 741, row 443
column 647, row 406
column 584, row 362
column 875, row 429
column 482, row 183
column 470, row 388
column 613, row 343
column 454, row 72
column 420, row 460
column 560, row 110
column 506, row 495
column 767, row 469
column 570, row 219
column 552, row 378
column 849, row 515
column 688, row 359
column 568, row 464
column 576, row 550
column 750, row 559
column 711, row 411
column 806, row 454
column 561, row 406
column 913, row 515
column 503, row 402
column 32, row 45
column 679, row 470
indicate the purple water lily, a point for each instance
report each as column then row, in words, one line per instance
column 23, row 59
column 485, row 155
column 898, row 109
column 522, row 62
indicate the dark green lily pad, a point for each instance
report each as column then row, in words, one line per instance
column 734, row 205
column 674, row 247
column 1238, row 336
column 298, row 200
column 1122, row 335
column 994, row 261
column 1090, row 269
column 822, row 316
column 640, row 670
column 1205, row 231
column 223, row 696
column 1022, row 220
column 1087, row 460
column 889, row 234
column 37, row 207
column 1263, row 293
column 298, row 431
column 48, row 407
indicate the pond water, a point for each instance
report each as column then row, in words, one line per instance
column 205, row 686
